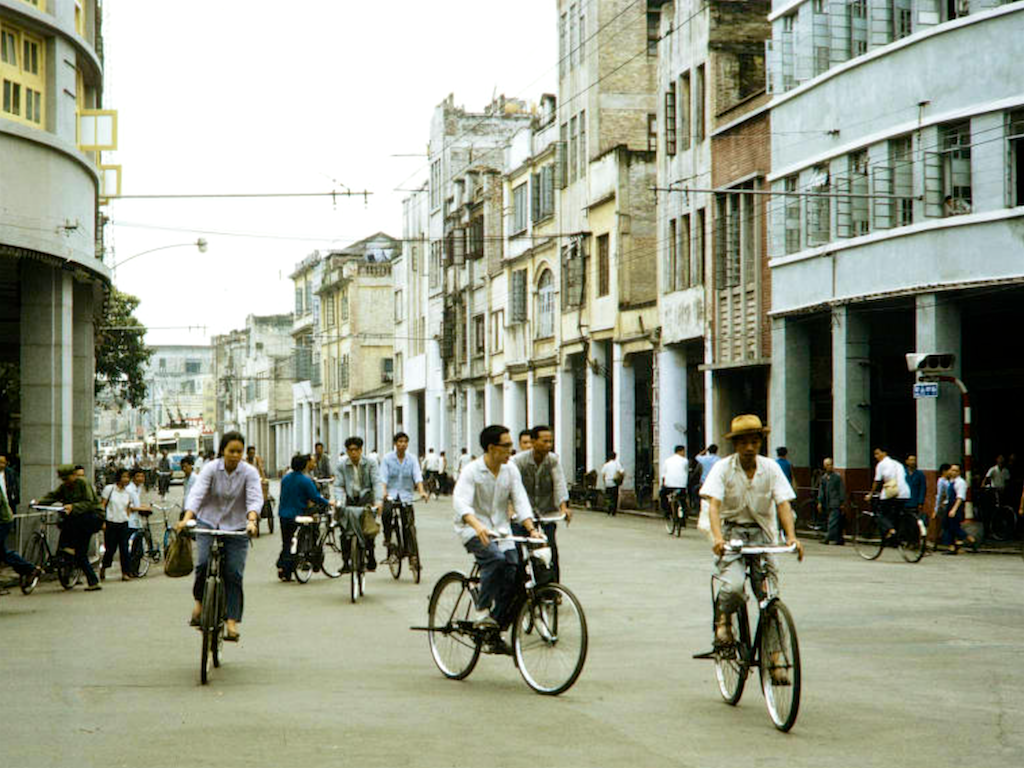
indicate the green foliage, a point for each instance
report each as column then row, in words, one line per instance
column 121, row 355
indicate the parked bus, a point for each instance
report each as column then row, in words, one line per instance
column 178, row 441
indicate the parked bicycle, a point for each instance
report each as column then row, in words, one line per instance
column 213, row 616
column 400, row 538
column 548, row 627
column 169, row 533
column 316, row 547
column 142, row 549
column 678, row 509
column 999, row 519
column 46, row 559
column 869, row 539
column 773, row 649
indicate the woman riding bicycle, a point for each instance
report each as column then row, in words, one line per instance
column 227, row 496
column 297, row 491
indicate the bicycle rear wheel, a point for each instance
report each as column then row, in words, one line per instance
column 138, row 560
column 355, row 553
column 303, row 565
column 208, row 624
column 453, row 646
column 393, row 545
column 334, row 558
column 867, row 535
column 413, row 548
column 169, row 537
column 670, row 519
column 912, row 540
column 1002, row 523
column 549, row 640
column 732, row 663
column 218, row 634
column 33, row 554
column 780, row 665
column 67, row 572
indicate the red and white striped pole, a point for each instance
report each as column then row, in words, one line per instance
column 965, row 399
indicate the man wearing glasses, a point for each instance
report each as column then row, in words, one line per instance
column 481, row 500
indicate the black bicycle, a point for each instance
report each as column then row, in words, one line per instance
column 352, row 543
column 774, row 649
column 999, row 519
column 169, row 533
column 400, row 539
column 213, row 616
column 316, row 547
column 47, row 560
column 142, row 549
column 678, row 509
column 548, row 627
column 869, row 539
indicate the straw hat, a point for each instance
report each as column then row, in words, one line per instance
column 746, row 424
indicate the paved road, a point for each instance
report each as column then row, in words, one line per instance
column 915, row 665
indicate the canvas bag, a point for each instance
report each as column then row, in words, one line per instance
column 179, row 557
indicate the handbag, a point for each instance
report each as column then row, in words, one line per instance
column 368, row 522
column 179, row 557
column 890, row 488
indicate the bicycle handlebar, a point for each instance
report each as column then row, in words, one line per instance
column 191, row 526
column 518, row 539
column 48, row 507
column 551, row 519
column 736, row 546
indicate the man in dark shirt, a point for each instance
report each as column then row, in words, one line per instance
column 831, row 496
column 918, row 488
column 787, row 469
column 83, row 518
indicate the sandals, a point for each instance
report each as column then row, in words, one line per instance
column 231, row 637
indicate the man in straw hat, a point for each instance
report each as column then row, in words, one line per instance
column 744, row 491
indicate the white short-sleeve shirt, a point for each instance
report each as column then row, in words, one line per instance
column 117, row 500
column 745, row 499
column 887, row 469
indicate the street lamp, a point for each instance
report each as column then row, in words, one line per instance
column 200, row 244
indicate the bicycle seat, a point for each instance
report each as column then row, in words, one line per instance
column 303, row 519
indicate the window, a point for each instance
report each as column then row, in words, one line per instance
column 956, row 169
column 735, row 241
column 901, row 158
column 583, row 35
column 344, row 304
column 435, row 184
column 563, row 156
column 520, row 208
column 573, row 274
column 22, row 76
column 1015, row 132
column 573, row 35
column 519, row 296
column 819, row 211
column 309, row 297
column 544, row 192
column 670, row 119
column 497, row 330
column 193, row 366
column 857, row 17
column 860, row 218
column 602, row 265
column 343, row 373
column 673, row 256
column 163, row 363
column 652, row 133
column 399, row 306
column 298, row 300
column 698, row 106
column 546, row 305
column 653, row 21
column 479, row 335
column 475, row 238
column 583, row 144
column 902, row 14
column 679, row 276
column 435, row 264
column 387, row 370
column 792, row 216
column 563, row 46
column 684, row 111
column 572, row 150
column 329, row 312
column 698, row 248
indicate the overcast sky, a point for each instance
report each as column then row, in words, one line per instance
column 228, row 96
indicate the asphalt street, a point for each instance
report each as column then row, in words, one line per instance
column 909, row 665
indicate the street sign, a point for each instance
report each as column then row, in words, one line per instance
column 926, row 390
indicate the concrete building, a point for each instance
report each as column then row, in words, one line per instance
column 896, row 132
column 357, row 343
column 178, row 378
column 52, row 275
column 305, row 429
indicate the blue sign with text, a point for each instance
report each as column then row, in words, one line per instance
column 926, row 390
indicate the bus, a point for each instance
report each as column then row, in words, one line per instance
column 178, row 441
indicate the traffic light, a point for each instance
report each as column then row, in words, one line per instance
column 930, row 363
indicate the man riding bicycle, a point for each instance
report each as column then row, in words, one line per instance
column 400, row 475
column 744, row 491
column 356, row 484
column 544, row 481
column 481, row 499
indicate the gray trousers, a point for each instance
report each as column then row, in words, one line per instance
column 730, row 569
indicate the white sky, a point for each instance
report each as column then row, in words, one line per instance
column 227, row 96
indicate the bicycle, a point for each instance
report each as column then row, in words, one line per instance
column 40, row 554
column 213, row 616
column 678, row 508
column 431, row 485
column 400, row 538
column 266, row 513
column 549, row 629
column 169, row 533
column 869, row 540
column 774, row 649
column 142, row 550
column 315, row 547
column 999, row 519
column 352, row 543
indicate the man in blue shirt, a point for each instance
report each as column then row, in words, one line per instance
column 707, row 459
column 400, row 473
column 787, row 469
column 297, row 492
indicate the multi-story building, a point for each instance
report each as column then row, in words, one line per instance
column 607, row 117
column 898, row 172
column 177, row 379
column 467, row 155
column 53, row 279
column 306, row 428
column 357, row 342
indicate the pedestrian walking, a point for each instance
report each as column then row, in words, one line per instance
column 116, row 504
column 831, row 498
column 612, row 473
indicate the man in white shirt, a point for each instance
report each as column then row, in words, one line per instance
column 432, row 466
column 744, row 493
column 481, row 499
column 675, row 471
column 464, row 459
column 611, row 474
column 891, row 481
column 953, row 532
column 998, row 476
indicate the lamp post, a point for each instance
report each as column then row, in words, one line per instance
column 201, row 244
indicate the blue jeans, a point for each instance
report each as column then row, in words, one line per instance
column 497, row 576
column 236, row 549
column 21, row 566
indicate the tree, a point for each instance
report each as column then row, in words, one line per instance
column 121, row 355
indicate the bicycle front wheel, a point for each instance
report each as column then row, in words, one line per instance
column 1002, row 523
column 67, row 572
column 911, row 539
column 732, row 662
column 33, row 554
column 394, row 549
column 138, row 562
column 169, row 536
column 549, row 640
column 867, row 535
column 303, row 564
column 356, row 555
column 780, row 665
column 412, row 545
column 670, row 519
column 453, row 646
column 334, row 558
column 208, row 623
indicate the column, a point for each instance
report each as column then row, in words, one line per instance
column 564, row 423
column 473, row 427
column 789, row 404
column 372, row 436
column 537, row 401
column 515, row 407
column 851, row 395
column 624, row 415
column 597, row 405
column 939, row 420
column 495, row 406
column 46, row 375
column 84, row 366
column 672, row 402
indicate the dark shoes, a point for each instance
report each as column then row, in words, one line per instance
column 371, row 561
column 231, row 637
column 94, row 587
column 347, row 567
